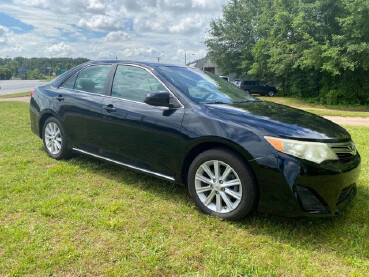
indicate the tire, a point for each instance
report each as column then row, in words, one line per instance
column 248, row 91
column 271, row 93
column 217, row 197
column 54, row 139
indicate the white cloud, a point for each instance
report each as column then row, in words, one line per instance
column 132, row 29
column 60, row 50
column 101, row 23
column 3, row 35
column 117, row 36
column 141, row 52
column 188, row 25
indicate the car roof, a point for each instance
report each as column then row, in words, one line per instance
column 149, row 64
column 61, row 78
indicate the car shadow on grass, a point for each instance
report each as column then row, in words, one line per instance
column 346, row 234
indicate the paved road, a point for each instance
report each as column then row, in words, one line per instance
column 16, row 86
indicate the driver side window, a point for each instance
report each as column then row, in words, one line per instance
column 134, row 83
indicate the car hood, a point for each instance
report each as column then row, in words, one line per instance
column 267, row 118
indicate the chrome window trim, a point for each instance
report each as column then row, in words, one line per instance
column 125, row 165
column 137, row 102
column 87, row 92
column 144, row 68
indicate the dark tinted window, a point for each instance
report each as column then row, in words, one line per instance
column 70, row 82
column 204, row 87
column 92, row 79
column 134, row 83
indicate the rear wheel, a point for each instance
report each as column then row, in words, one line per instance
column 222, row 185
column 54, row 139
column 271, row 93
column 248, row 91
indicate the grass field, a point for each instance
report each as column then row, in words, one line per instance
column 84, row 217
column 361, row 111
column 20, row 94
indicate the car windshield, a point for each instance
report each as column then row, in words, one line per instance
column 203, row 87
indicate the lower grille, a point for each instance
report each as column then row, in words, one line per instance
column 345, row 193
column 310, row 202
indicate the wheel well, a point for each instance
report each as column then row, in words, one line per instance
column 198, row 149
column 41, row 123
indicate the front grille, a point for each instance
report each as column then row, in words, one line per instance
column 344, row 151
column 345, row 193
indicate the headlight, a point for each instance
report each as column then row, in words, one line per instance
column 316, row 152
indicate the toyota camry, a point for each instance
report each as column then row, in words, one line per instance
column 235, row 153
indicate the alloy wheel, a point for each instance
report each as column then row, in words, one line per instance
column 218, row 186
column 53, row 138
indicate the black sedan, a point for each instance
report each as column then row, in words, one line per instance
column 235, row 153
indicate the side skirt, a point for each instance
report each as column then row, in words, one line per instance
column 126, row 165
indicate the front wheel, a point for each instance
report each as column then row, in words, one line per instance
column 222, row 185
column 271, row 93
column 54, row 139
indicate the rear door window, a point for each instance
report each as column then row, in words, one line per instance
column 92, row 79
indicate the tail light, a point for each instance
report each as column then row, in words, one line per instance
column 32, row 92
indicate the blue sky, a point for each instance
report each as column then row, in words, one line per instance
column 96, row 29
column 15, row 25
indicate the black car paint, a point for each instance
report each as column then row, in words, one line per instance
column 163, row 141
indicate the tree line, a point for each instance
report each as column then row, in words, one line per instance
column 37, row 68
column 317, row 49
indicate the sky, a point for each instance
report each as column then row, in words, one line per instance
column 127, row 29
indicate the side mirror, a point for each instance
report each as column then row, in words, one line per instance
column 160, row 99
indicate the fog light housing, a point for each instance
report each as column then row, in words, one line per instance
column 310, row 201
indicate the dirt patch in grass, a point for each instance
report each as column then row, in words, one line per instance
column 353, row 121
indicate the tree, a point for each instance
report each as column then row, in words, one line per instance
column 37, row 67
column 5, row 73
column 312, row 48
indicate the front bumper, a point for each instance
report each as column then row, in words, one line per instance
column 293, row 187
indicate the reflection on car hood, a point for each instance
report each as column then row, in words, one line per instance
column 279, row 120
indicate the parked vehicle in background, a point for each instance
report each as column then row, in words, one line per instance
column 257, row 87
column 224, row 78
column 234, row 152
column 236, row 82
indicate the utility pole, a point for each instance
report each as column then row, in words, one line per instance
column 186, row 57
column 158, row 59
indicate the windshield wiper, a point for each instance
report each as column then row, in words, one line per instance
column 248, row 101
column 216, row 102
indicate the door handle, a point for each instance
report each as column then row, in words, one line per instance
column 109, row 108
column 59, row 98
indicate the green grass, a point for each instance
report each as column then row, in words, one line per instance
column 85, row 217
column 360, row 111
column 20, row 94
